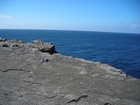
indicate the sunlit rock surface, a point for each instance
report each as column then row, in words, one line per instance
column 29, row 76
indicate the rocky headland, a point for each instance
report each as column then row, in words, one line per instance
column 35, row 74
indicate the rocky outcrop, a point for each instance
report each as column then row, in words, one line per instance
column 2, row 39
column 37, row 44
column 31, row 77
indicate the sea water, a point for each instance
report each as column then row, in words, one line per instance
column 121, row 50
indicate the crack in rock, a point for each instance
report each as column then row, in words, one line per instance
column 51, row 97
column 76, row 100
column 107, row 104
column 32, row 82
column 14, row 70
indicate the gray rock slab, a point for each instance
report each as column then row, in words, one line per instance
column 63, row 80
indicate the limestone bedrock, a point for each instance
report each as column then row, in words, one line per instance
column 62, row 80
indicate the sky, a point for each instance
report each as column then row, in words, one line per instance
column 85, row 15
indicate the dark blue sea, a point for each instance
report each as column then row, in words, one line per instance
column 120, row 50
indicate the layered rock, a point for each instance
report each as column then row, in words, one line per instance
column 37, row 44
column 29, row 76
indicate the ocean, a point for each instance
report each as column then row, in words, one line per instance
column 120, row 50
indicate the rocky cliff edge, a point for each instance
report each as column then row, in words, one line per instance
column 35, row 74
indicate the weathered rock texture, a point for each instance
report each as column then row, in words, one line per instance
column 61, row 80
column 36, row 44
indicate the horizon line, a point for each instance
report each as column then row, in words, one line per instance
column 68, row 30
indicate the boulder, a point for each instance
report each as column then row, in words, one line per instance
column 14, row 45
column 37, row 42
column 2, row 39
column 50, row 48
column 43, row 47
column 5, row 45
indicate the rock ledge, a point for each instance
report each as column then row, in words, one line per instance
column 34, row 74
column 37, row 44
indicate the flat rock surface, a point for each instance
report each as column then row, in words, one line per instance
column 26, row 79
